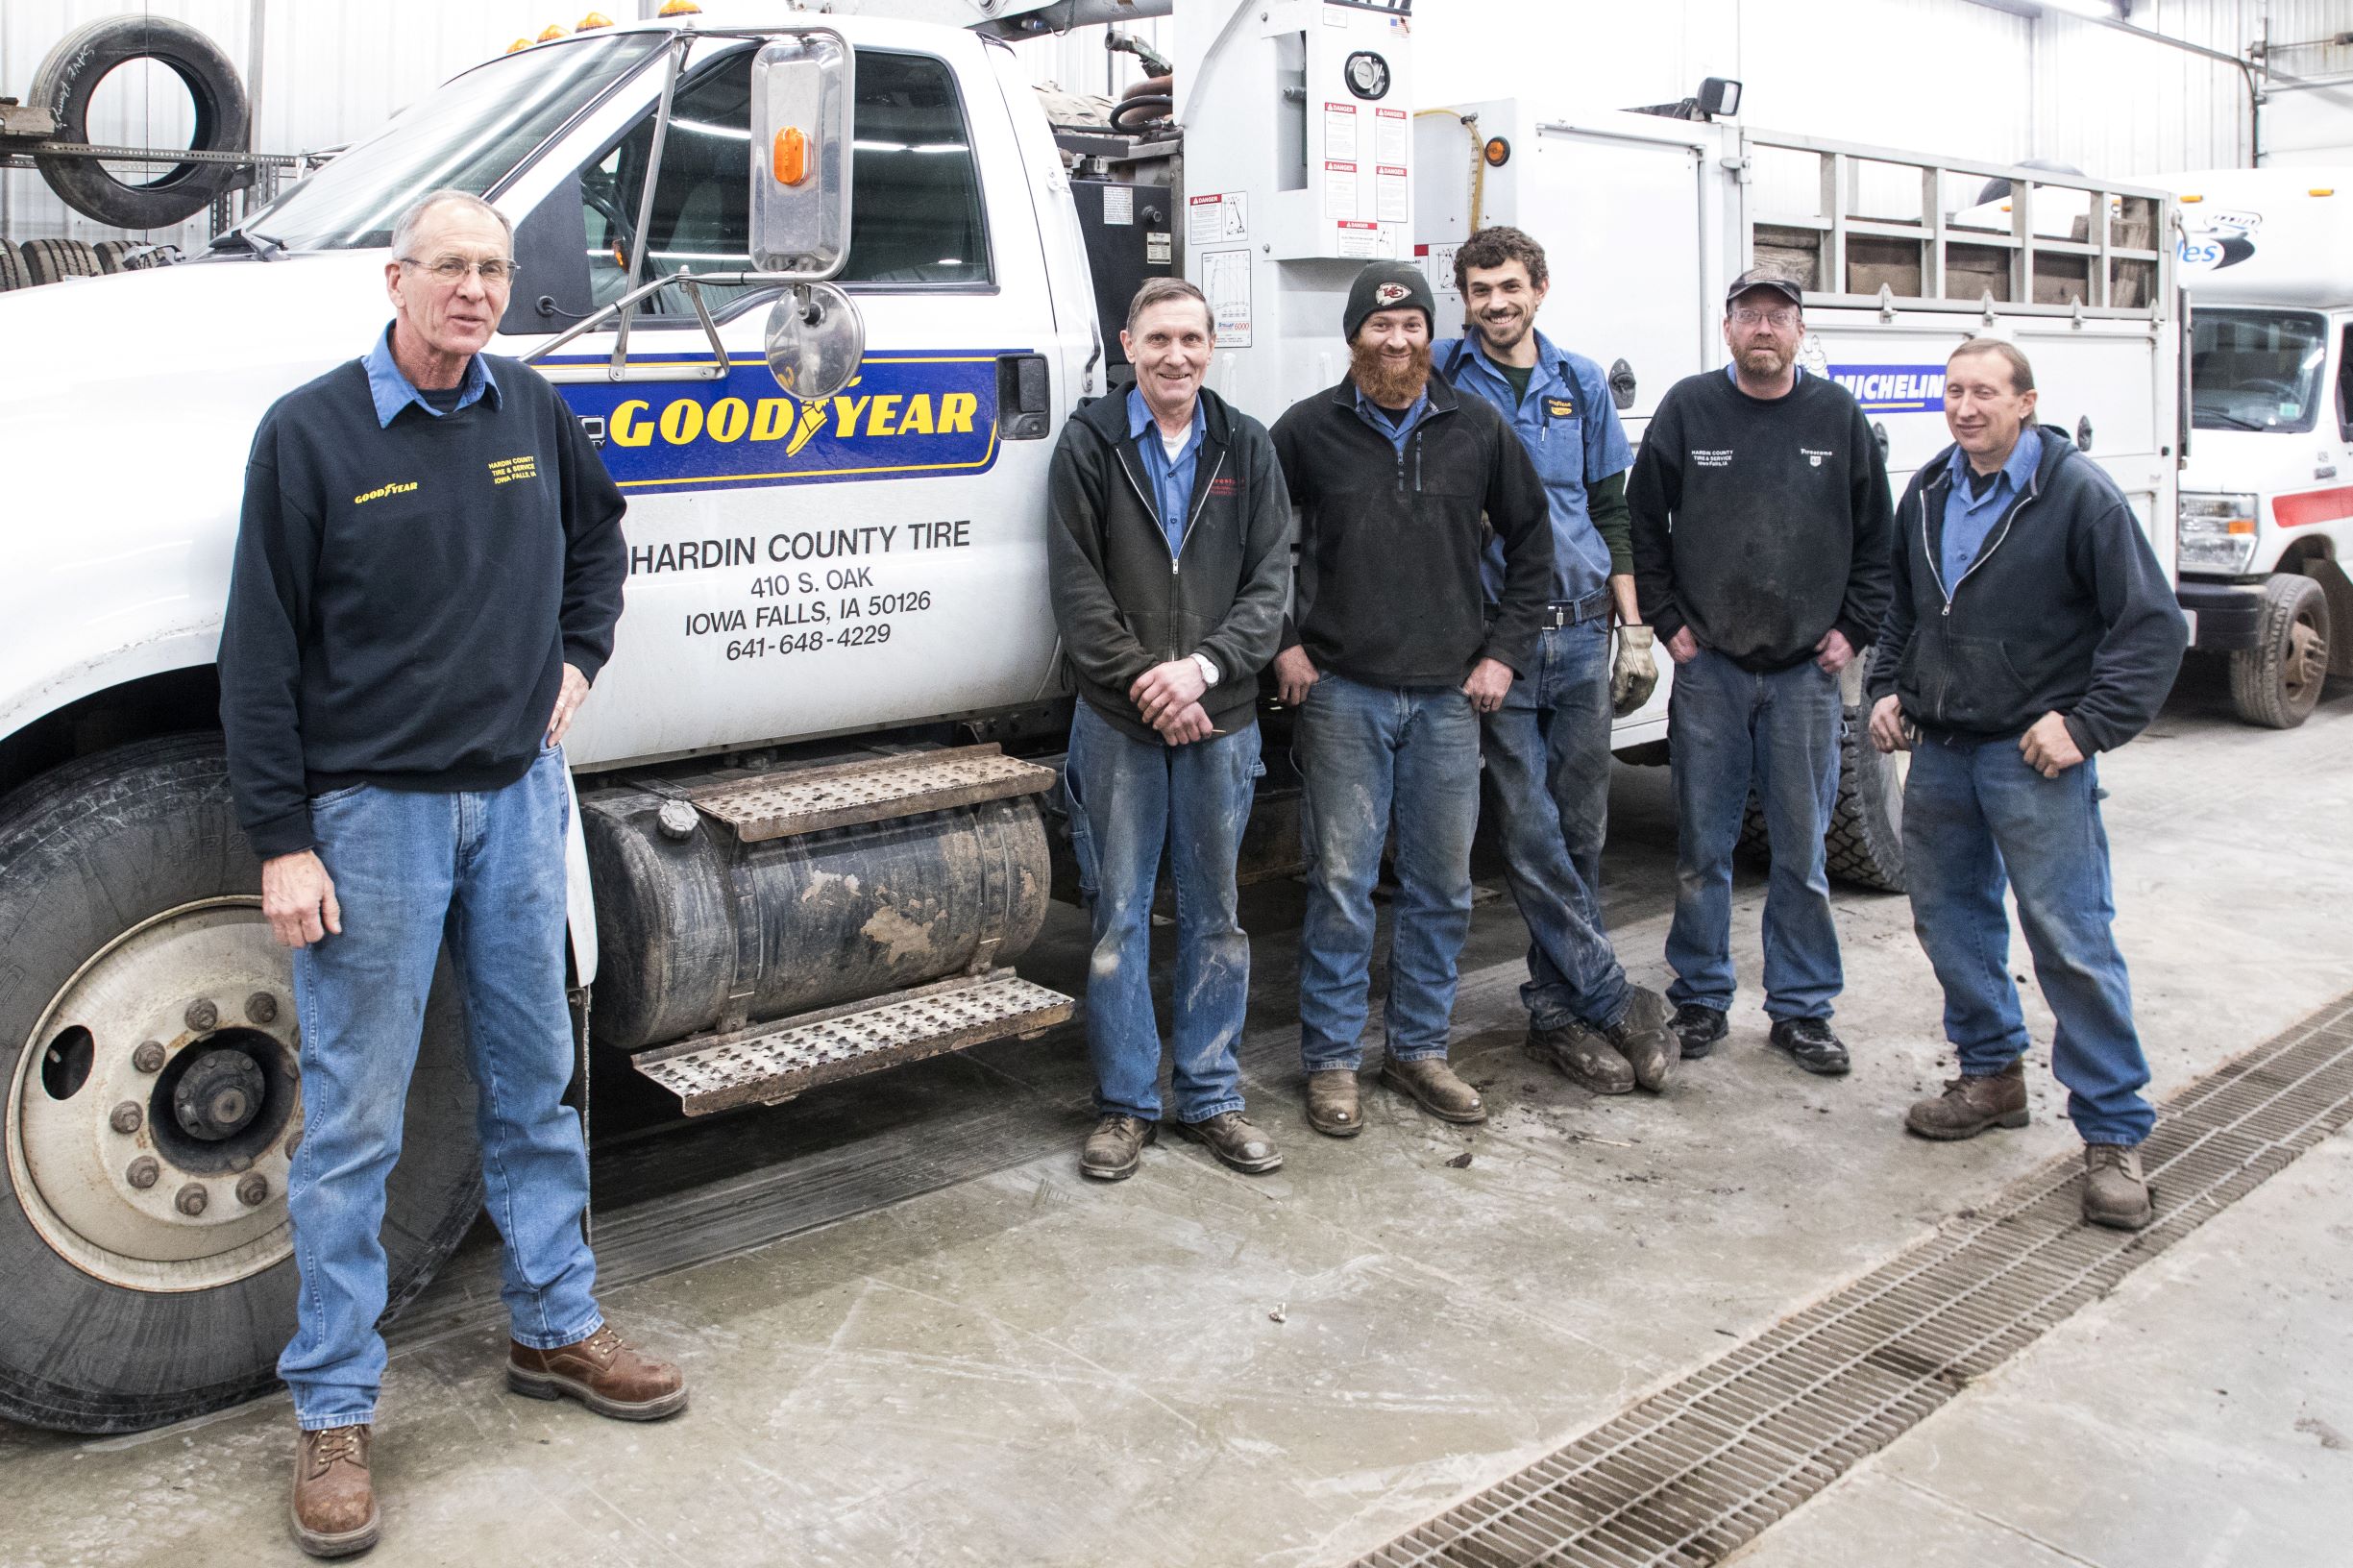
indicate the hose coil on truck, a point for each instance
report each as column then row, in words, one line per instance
column 67, row 81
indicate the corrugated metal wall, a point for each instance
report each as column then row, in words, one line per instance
column 1944, row 76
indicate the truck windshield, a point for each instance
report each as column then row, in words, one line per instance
column 467, row 137
column 2256, row 370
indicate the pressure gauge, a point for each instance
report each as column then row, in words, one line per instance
column 1369, row 74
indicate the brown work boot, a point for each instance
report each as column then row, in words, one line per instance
column 1643, row 1039
column 334, row 1512
column 1969, row 1105
column 602, row 1373
column 2115, row 1192
column 1434, row 1088
column 1583, row 1056
column 1230, row 1136
column 1116, row 1147
column 1332, row 1103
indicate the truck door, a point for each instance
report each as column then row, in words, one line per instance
column 803, row 569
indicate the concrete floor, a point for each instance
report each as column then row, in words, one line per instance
column 1012, row 1365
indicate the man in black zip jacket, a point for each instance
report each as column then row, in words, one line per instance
column 2032, row 627
column 1168, row 551
column 1390, row 658
column 1761, row 557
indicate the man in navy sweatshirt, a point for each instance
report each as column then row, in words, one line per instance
column 2031, row 629
column 427, row 573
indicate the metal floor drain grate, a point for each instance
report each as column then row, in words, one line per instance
column 1687, row 1475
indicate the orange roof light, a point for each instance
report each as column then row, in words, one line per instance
column 519, row 43
column 791, row 162
column 2322, row 190
column 553, row 33
column 2192, row 198
column 592, row 21
column 680, row 7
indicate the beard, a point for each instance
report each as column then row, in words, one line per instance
column 1763, row 360
column 1503, row 335
column 1389, row 382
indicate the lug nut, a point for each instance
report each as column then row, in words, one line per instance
column 143, row 1172
column 191, row 1200
column 125, row 1117
column 149, row 1057
column 261, row 1007
column 201, row 1015
column 253, row 1191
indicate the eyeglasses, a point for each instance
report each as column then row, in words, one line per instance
column 1748, row 315
column 452, row 269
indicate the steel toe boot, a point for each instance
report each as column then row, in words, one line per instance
column 604, row 1373
column 1968, row 1106
column 1116, row 1147
column 1643, row 1038
column 1434, row 1086
column 1332, row 1102
column 1230, row 1136
column 1583, row 1056
column 333, row 1510
column 2115, row 1192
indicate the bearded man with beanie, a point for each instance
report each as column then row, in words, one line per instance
column 1390, row 657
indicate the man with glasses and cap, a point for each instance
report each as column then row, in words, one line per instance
column 1761, row 521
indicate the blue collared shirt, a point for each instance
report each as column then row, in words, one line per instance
column 1378, row 417
column 1570, row 426
column 1970, row 519
column 394, row 391
column 1172, row 478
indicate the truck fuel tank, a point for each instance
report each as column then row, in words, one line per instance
column 701, row 925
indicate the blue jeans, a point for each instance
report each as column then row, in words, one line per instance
column 1729, row 729
column 1370, row 755
column 488, row 867
column 1977, row 817
column 1548, row 777
column 1130, row 799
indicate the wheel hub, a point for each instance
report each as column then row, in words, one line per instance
column 163, row 1166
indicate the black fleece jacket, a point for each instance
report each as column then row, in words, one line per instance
column 1123, row 604
column 403, row 599
column 1389, row 542
column 1760, row 523
column 2065, row 610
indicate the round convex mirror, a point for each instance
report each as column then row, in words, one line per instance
column 814, row 340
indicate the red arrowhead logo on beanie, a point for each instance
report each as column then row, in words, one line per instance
column 1387, row 294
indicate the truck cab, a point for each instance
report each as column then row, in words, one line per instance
column 2267, row 494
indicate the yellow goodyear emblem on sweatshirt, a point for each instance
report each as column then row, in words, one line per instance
column 395, row 488
column 905, row 414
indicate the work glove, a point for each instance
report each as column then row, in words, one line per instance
column 1634, row 674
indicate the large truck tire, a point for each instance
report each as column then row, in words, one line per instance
column 2277, row 683
column 54, row 260
column 13, row 273
column 135, row 962
column 69, row 80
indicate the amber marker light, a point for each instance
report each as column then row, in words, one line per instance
column 593, row 20
column 791, row 162
column 553, row 32
column 2187, row 199
column 519, row 43
column 1497, row 152
column 2322, row 190
column 680, row 7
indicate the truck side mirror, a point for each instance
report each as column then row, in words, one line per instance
column 801, row 98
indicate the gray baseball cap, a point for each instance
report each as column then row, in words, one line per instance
column 1772, row 277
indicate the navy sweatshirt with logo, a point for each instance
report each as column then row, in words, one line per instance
column 1760, row 523
column 404, row 598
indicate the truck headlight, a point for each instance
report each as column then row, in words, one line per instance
column 2217, row 533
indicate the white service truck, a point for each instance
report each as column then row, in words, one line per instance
column 2267, row 498
column 823, row 287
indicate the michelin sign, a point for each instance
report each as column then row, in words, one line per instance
column 904, row 415
column 1893, row 389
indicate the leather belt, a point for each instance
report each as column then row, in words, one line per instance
column 1568, row 612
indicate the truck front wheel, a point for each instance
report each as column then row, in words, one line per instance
column 149, row 1058
column 2277, row 683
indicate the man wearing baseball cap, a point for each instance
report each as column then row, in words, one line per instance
column 1390, row 657
column 1762, row 522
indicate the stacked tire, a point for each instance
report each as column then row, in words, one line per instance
column 54, row 260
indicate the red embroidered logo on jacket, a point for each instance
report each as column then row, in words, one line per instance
column 1223, row 486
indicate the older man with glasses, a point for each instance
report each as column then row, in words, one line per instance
column 1760, row 539
column 427, row 573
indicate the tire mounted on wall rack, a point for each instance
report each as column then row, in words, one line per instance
column 67, row 81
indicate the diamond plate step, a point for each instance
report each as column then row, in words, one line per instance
column 772, row 1061
column 846, row 794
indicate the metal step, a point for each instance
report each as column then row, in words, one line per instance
column 772, row 1061
column 844, row 794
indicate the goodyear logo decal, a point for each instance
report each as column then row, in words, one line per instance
column 1560, row 408
column 905, row 415
column 1893, row 389
column 395, row 488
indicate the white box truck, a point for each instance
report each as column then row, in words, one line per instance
column 2267, row 498
column 823, row 286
